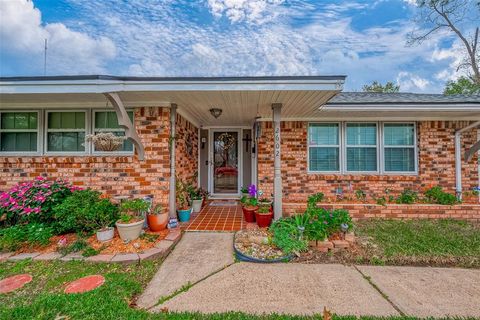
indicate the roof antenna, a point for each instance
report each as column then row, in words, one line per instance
column 45, row 59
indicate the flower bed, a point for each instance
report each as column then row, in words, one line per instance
column 255, row 245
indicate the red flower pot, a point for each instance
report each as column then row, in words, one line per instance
column 264, row 219
column 249, row 213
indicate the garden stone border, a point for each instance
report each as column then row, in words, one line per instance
column 161, row 249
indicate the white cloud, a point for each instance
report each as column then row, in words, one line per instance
column 411, row 82
column 254, row 11
column 22, row 34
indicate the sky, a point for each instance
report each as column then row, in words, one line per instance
column 362, row 39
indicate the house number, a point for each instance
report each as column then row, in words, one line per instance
column 277, row 142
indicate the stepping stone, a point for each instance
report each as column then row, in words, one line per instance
column 14, row 282
column 85, row 284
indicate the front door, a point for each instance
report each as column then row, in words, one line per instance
column 225, row 172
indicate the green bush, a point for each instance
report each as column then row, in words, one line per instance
column 84, row 211
column 314, row 199
column 287, row 236
column 407, row 197
column 332, row 220
column 438, row 196
column 33, row 234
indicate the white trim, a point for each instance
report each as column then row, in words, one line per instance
column 66, row 153
column 379, row 146
column 211, row 132
column 39, row 131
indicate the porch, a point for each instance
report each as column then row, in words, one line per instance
column 217, row 215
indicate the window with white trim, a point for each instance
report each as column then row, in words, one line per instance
column 324, row 147
column 361, row 147
column 66, row 131
column 107, row 121
column 399, row 147
column 19, row 131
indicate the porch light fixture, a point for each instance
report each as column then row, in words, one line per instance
column 216, row 112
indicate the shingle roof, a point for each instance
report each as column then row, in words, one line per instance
column 401, row 98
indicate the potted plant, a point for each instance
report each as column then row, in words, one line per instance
column 131, row 220
column 197, row 200
column 105, row 141
column 249, row 207
column 265, row 203
column 183, row 206
column 244, row 191
column 157, row 218
column 105, row 215
column 264, row 217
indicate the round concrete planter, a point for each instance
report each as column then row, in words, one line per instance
column 105, row 234
column 197, row 205
column 130, row 231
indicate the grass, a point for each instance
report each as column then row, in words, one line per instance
column 449, row 242
column 43, row 298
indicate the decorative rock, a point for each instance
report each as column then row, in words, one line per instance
column 152, row 253
column 4, row 256
column 342, row 244
column 85, row 284
column 251, row 226
column 14, row 282
column 100, row 258
column 48, row 256
column 350, row 237
column 73, row 256
column 23, row 256
column 125, row 258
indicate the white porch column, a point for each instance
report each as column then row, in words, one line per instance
column 277, row 177
column 172, row 198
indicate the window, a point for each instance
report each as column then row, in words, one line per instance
column 106, row 121
column 66, row 131
column 399, row 147
column 361, row 147
column 324, row 147
column 18, row 131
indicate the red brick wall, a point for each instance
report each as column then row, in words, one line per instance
column 436, row 165
column 186, row 150
column 114, row 175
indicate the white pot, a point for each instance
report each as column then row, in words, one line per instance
column 105, row 234
column 197, row 205
column 129, row 231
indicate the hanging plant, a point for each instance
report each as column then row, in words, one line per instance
column 105, row 141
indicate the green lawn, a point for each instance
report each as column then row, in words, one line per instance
column 43, row 298
column 446, row 242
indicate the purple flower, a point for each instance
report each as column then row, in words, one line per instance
column 252, row 191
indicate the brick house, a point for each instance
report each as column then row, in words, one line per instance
column 292, row 136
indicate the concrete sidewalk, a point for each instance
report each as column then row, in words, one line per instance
column 304, row 289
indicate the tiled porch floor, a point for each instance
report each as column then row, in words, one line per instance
column 216, row 218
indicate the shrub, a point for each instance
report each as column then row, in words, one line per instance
column 33, row 201
column 438, row 196
column 314, row 199
column 407, row 197
column 332, row 219
column 33, row 234
column 84, row 211
column 287, row 236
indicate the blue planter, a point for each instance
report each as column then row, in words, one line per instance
column 184, row 215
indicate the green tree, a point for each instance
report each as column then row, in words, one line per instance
column 460, row 18
column 463, row 85
column 376, row 86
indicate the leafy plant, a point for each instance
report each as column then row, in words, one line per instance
column 263, row 210
column 314, row 199
column 361, row 195
column 244, row 189
column 407, row 196
column 438, row 196
column 34, row 234
column 157, row 209
column 133, row 209
column 89, row 252
column 287, row 237
column 381, row 201
column 78, row 245
column 84, row 211
column 33, row 201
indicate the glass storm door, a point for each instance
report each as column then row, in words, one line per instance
column 225, row 168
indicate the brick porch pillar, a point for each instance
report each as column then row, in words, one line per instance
column 277, row 177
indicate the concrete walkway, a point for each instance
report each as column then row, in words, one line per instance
column 304, row 289
column 195, row 257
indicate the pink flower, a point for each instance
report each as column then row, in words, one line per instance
column 39, row 178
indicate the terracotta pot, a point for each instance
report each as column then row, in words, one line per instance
column 264, row 219
column 130, row 231
column 157, row 222
column 249, row 213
